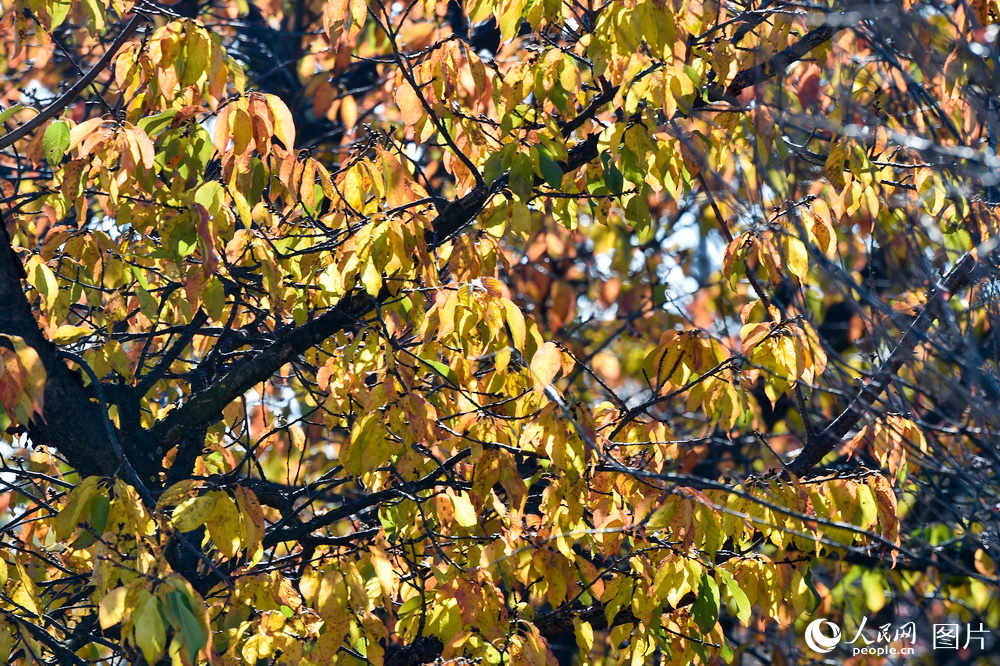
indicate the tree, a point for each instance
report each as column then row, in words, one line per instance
column 523, row 331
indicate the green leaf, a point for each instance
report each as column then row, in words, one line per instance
column 55, row 141
column 57, row 12
column 738, row 596
column 192, row 632
column 211, row 196
column 551, row 171
column 442, row 370
column 99, row 508
column 727, row 653
column 705, row 609
column 153, row 125
column 8, row 112
column 613, row 178
column 817, row 600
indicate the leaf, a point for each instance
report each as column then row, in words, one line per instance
column 25, row 593
column 551, row 171
column 193, row 512
column 738, row 596
column 257, row 647
column 383, row 570
column 584, row 635
column 78, row 501
column 150, row 630
column 545, row 364
column 95, row 11
column 224, row 525
column 191, row 630
column 442, row 370
column 284, row 126
column 797, row 256
column 515, row 322
column 100, row 506
column 176, row 493
column 220, row 134
column 67, row 333
column 82, row 131
column 867, row 515
column 465, row 514
column 9, row 111
column 705, row 609
column 34, row 371
column 371, row 278
column 41, row 277
column 55, row 142
column 153, row 125
column 251, row 515
column 410, row 108
column 888, row 517
column 112, row 607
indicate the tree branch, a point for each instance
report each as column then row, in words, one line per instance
column 296, row 532
column 74, row 90
column 832, row 435
column 779, row 61
column 204, row 405
column 70, row 422
column 207, row 404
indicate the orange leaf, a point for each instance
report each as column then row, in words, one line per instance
column 546, row 362
column 409, row 104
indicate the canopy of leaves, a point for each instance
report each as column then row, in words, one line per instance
column 507, row 332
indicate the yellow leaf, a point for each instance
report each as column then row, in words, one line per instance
column 224, row 525
column 193, row 512
column 112, row 607
column 176, row 493
column 354, row 189
column 465, row 514
column 252, row 516
column 284, row 126
column 371, row 279
column 584, row 636
column 797, row 257
column 68, row 333
column 349, row 111
column 141, row 147
column 24, row 592
column 6, row 643
column 515, row 321
column 383, row 570
column 258, row 647
column 22, row 596
column 78, row 500
column 41, row 277
column 150, row 631
column 867, row 515
column 544, row 365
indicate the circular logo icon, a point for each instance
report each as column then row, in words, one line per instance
column 817, row 640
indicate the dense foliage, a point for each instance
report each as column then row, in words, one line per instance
column 336, row 331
